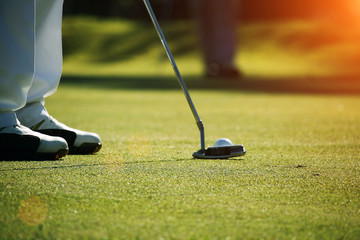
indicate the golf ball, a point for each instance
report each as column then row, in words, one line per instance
column 222, row 142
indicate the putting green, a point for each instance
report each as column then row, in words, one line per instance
column 299, row 178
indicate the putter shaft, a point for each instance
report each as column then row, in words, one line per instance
column 177, row 73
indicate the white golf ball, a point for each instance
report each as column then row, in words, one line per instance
column 222, row 142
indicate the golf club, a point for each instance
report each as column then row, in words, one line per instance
column 219, row 152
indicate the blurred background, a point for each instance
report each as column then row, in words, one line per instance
column 299, row 40
column 348, row 10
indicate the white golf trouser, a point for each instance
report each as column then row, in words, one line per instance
column 30, row 55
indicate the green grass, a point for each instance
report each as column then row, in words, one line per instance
column 299, row 179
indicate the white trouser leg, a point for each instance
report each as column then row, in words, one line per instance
column 17, row 41
column 48, row 60
column 48, row 49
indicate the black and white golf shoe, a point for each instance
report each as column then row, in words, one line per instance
column 80, row 142
column 20, row 143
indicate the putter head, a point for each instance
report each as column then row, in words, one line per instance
column 220, row 152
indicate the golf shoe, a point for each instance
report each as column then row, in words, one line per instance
column 20, row 143
column 80, row 142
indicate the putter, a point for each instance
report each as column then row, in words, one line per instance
column 222, row 152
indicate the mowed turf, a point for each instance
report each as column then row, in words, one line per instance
column 300, row 178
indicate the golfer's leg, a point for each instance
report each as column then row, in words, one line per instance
column 48, row 66
column 222, row 33
column 17, row 45
column 217, row 28
column 48, row 57
column 16, row 56
column 48, row 60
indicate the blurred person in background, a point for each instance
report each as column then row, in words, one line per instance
column 217, row 31
column 30, row 70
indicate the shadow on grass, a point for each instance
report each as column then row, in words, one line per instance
column 110, row 163
column 303, row 85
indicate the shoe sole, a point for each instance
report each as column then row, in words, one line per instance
column 15, row 156
column 85, row 148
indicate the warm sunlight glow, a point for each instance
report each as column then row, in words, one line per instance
column 354, row 10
